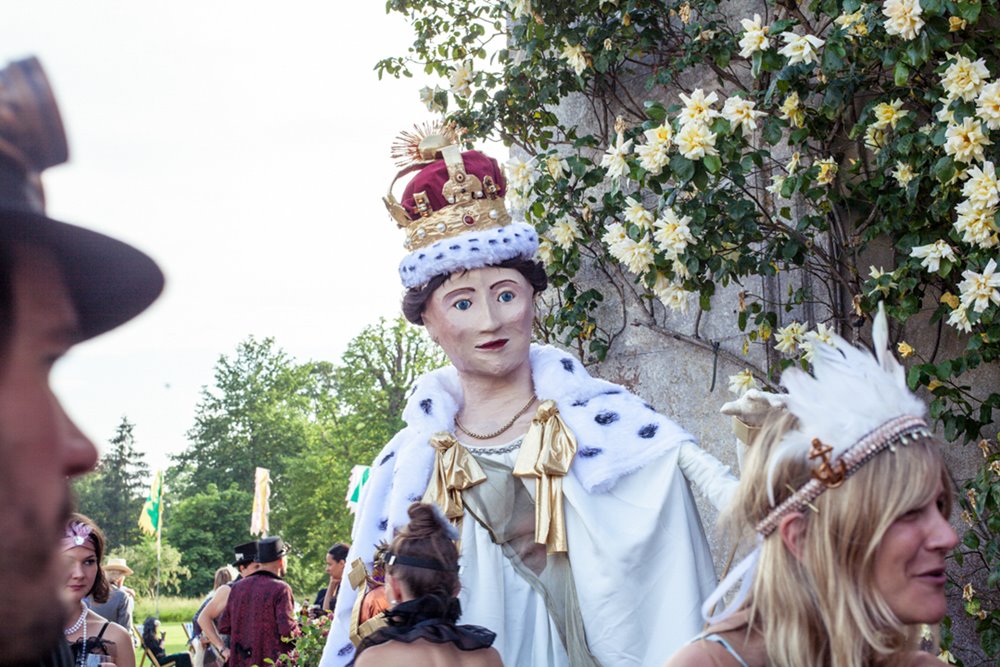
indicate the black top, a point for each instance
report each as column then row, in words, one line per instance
column 432, row 618
column 94, row 645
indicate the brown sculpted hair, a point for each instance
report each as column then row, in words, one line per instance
column 101, row 588
column 426, row 538
column 415, row 299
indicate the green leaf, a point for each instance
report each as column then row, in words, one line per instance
column 969, row 10
column 700, row 177
column 655, row 111
column 944, row 170
column 971, row 540
column 713, row 164
column 901, row 74
column 682, row 168
column 772, row 130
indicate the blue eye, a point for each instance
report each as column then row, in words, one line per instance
column 463, row 304
column 505, row 297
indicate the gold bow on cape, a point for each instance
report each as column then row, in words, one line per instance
column 455, row 469
column 546, row 454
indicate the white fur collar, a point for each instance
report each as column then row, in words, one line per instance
column 617, row 432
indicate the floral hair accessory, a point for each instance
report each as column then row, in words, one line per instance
column 76, row 535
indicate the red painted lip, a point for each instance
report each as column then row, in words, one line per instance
column 493, row 344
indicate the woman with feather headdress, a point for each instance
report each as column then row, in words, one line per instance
column 846, row 497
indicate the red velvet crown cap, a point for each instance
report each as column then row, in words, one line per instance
column 431, row 180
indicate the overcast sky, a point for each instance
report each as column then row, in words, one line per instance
column 244, row 145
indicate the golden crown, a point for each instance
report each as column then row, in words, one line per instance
column 466, row 203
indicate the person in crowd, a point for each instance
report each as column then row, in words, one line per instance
column 422, row 583
column 59, row 285
column 846, row 497
column 246, row 564
column 89, row 633
column 121, row 599
column 260, row 613
column 336, row 558
column 375, row 601
column 199, row 641
column 153, row 639
column 557, row 479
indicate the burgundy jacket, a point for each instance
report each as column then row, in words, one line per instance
column 259, row 612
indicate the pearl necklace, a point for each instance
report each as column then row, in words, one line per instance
column 79, row 622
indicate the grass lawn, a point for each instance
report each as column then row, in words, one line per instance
column 175, row 642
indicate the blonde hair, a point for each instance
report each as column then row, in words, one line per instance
column 222, row 576
column 823, row 608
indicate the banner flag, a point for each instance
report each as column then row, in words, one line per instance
column 149, row 517
column 261, row 502
column 359, row 477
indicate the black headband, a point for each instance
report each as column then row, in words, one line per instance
column 395, row 559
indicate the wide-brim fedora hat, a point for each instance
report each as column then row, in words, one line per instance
column 109, row 281
column 270, row 549
column 118, row 565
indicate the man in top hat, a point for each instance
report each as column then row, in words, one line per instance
column 245, row 562
column 121, row 599
column 260, row 610
column 59, row 285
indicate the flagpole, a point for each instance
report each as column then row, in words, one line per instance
column 150, row 522
column 159, row 532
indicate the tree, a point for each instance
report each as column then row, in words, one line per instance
column 204, row 526
column 141, row 558
column 114, row 494
column 360, row 410
column 257, row 414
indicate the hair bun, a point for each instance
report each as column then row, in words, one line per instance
column 427, row 520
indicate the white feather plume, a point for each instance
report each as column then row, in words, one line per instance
column 849, row 394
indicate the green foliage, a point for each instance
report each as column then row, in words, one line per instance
column 113, row 495
column 310, row 641
column 871, row 140
column 309, row 423
column 256, row 415
column 147, row 577
column 367, row 391
column 204, row 526
column 171, row 610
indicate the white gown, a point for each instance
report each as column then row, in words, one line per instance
column 637, row 550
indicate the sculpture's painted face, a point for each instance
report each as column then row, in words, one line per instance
column 482, row 320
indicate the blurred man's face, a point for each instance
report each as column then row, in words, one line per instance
column 39, row 449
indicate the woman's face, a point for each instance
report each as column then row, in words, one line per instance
column 482, row 320
column 82, row 563
column 335, row 568
column 910, row 561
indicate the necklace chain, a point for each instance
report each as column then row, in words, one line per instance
column 489, row 436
